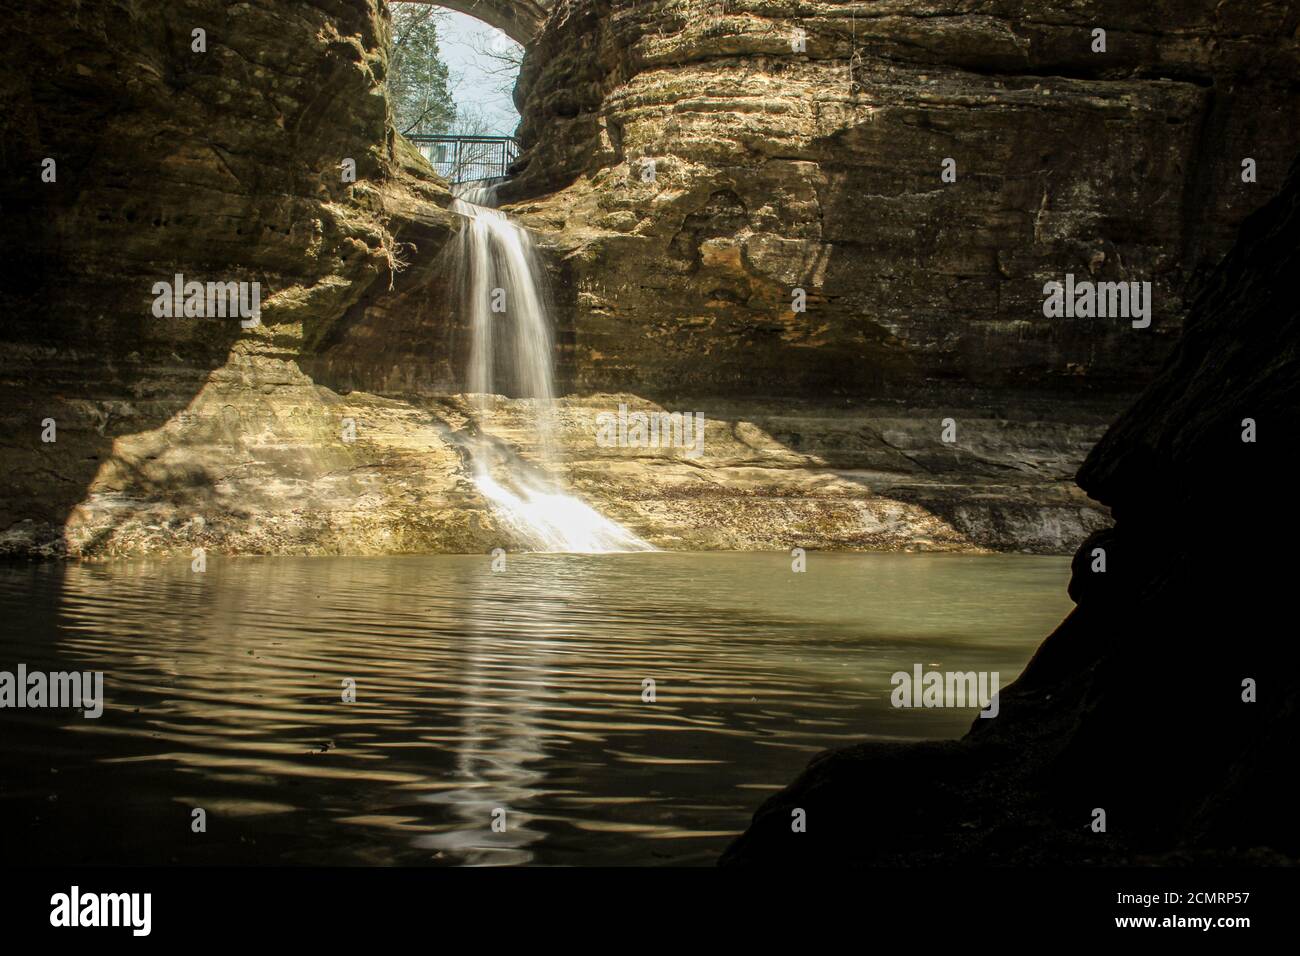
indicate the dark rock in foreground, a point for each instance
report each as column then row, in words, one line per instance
column 1135, row 704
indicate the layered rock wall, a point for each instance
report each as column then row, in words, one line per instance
column 334, row 424
column 209, row 140
column 801, row 145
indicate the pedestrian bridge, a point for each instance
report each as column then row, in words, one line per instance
column 467, row 159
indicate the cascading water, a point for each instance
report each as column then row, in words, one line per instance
column 500, row 265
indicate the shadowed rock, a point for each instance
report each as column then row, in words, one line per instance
column 1135, row 703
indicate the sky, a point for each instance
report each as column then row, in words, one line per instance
column 472, row 87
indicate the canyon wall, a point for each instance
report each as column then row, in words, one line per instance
column 336, row 424
column 701, row 159
column 1169, row 698
column 218, row 155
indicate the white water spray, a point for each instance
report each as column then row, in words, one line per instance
column 499, row 261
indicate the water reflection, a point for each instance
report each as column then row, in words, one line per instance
column 475, row 690
column 504, row 691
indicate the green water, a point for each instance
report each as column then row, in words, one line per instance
column 476, row 691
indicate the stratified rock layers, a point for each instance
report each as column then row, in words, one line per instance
column 708, row 168
column 334, row 426
column 217, row 142
column 1169, row 698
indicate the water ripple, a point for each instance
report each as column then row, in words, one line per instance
column 476, row 692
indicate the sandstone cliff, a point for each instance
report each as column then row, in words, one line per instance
column 801, row 145
column 773, row 169
column 218, row 156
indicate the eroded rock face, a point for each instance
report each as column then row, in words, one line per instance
column 221, row 164
column 773, row 169
column 1169, row 697
column 175, row 433
column 820, row 169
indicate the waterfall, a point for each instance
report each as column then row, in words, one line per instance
column 500, row 255
column 500, row 266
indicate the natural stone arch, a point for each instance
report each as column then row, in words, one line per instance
column 518, row 19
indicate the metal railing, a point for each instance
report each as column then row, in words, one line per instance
column 467, row 159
